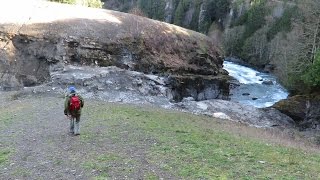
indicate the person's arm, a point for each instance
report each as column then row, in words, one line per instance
column 66, row 105
column 81, row 100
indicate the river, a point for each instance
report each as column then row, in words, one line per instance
column 255, row 88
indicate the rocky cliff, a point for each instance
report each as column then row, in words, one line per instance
column 41, row 38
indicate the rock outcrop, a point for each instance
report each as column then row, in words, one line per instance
column 45, row 35
column 258, row 117
column 303, row 109
column 114, row 84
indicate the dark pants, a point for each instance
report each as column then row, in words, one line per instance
column 75, row 124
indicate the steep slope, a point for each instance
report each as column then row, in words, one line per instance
column 198, row 15
column 41, row 37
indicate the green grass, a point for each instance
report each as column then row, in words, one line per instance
column 22, row 173
column 197, row 147
column 103, row 164
column 7, row 117
column 4, row 155
column 183, row 145
column 8, row 113
column 151, row 176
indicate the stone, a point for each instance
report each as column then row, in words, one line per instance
column 199, row 87
column 268, row 82
column 187, row 99
column 303, row 109
column 269, row 68
column 295, row 107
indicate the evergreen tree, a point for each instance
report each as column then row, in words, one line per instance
column 312, row 74
column 180, row 12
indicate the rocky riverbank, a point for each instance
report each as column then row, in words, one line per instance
column 113, row 84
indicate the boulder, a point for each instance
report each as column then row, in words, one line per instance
column 303, row 109
column 268, row 82
column 199, row 87
column 268, row 68
column 295, row 107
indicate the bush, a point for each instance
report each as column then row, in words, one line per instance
column 312, row 75
column 93, row 3
column 64, row 1
column 88, row 3
column 137, row 11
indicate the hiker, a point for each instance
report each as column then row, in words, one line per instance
column 72, row 108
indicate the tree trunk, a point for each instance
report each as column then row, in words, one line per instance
column 315, row 37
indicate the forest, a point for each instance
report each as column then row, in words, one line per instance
column 197, row 15
column 281, row 35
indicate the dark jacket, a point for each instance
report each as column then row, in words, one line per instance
column 67, row 104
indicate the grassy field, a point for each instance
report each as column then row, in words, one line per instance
column 197, row 147
column 136, row 142
column 7, row 118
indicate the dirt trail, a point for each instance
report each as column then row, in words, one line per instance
column 43, row 149
column 37, row 135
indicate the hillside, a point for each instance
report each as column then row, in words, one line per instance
column 41, row 37
column 57, row 34
column 197, row 15
column 278, row 36
column 120, row 141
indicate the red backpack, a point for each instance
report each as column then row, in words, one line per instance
column 74, row 103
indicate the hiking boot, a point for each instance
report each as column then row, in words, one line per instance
column 77, row 134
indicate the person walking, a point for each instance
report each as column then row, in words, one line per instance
column 72, row 108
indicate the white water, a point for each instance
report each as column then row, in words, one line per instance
column 251, row 81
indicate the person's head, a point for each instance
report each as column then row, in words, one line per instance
column 72, row 89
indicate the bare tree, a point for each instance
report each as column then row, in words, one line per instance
column 310, row 21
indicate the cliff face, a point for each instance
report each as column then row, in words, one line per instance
column 44, row 37
column 198, row 15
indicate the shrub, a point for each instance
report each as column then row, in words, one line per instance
column 312, row 74
column 88, row 3
column 137, row 11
